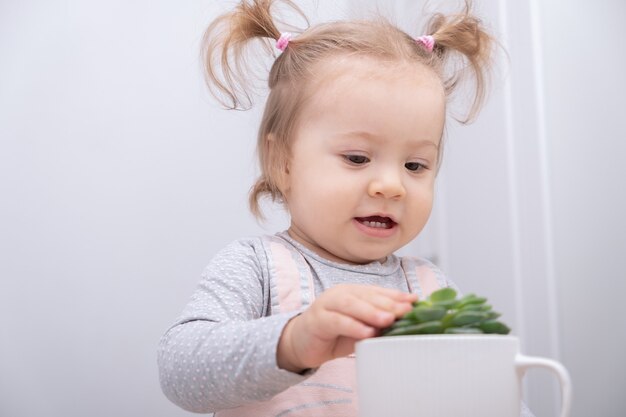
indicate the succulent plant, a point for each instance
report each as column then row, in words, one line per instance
column 443, row 312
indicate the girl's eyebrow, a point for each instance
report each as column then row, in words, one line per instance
column 369, row 136
column 361, row 134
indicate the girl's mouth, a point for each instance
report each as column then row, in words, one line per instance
column 376, row 222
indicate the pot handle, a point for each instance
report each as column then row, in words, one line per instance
column 523, row 363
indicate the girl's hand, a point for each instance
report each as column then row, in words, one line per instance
column 337, row 319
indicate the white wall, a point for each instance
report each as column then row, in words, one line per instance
column 120, row 177
column 119, row 180
column 584, row 62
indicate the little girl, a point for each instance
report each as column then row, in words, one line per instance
column 350, row 143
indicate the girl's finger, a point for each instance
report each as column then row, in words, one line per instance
column 347, row 326
column 382, row 302
column 388, row 292
column 361, row 309
column 396, row 302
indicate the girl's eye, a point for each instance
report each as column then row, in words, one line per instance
column 414, row 166
column 357, row 159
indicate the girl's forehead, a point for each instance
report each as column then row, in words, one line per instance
column 343, row 77
column 336, row 74
column 400, row 101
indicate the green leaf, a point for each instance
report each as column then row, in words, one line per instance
column 401, row 322
column 492, row 315
column 422, row 303
column 422, row 314
column 475, row 307
column 430, row 327
column 494, row 326
column 445, row 304
column 443, row 294
column 463, row 330
column 463, row 318
column 446, row 321
column 469, row 299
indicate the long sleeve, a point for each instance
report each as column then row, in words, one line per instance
column 221, row 353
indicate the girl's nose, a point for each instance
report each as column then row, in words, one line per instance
column 388, row 185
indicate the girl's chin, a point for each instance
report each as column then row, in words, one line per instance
column 366, row 257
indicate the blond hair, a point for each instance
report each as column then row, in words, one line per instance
column 458, row 38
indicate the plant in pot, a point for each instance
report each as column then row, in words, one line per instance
column 444, row 313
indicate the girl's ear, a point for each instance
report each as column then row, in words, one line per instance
column 279, row 165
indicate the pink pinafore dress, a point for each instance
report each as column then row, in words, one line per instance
column 331, row 390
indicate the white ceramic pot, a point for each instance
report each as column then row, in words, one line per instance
column 447, row 376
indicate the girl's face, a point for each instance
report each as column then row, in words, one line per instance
column 361, row 176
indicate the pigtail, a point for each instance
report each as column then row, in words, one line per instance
column 225, row 52
column 463, row 34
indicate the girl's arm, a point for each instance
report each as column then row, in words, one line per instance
column 221, row 353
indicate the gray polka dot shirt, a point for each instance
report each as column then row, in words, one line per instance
column 221, row 352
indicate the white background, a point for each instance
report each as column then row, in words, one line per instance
column 120, row 178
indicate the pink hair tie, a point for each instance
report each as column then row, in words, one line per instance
column 283, row 41
column 427, row 42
